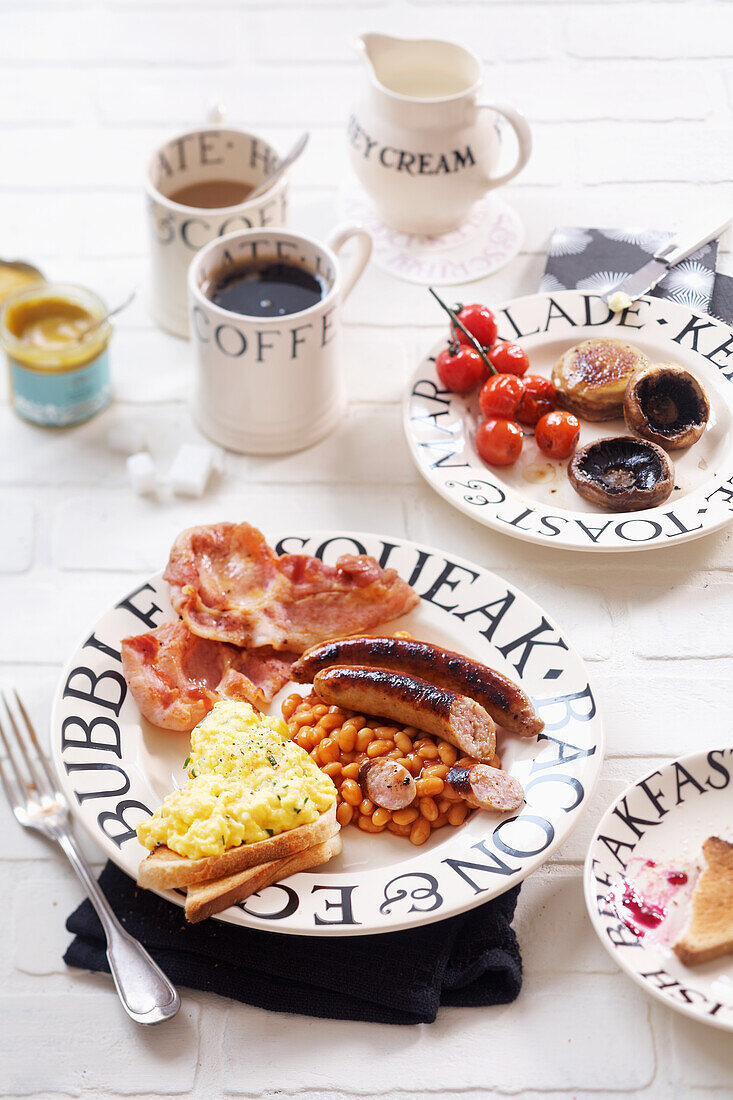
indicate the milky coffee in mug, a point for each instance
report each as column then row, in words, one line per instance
column 197, row 190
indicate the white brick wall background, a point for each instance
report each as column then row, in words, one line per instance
column 631, row 106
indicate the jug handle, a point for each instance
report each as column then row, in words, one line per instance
column 358, row 262
column 524, row 140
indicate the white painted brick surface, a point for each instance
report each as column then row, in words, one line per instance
column 701, row 30
column 703, row 607
column 631, row 107
column 77, row 1031
column 446, row 1051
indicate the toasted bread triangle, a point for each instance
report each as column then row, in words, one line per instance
column 213, row 897
column 166, row 870
column 709, row 933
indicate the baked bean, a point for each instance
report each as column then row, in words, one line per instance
column 366, row 807
column 328, row 750
column 420, row 831
column 428, row 788
column 364, row 737
column 379, row 748
column 387, row 732
column 351, row 792
column 443, row 805
column 406, row 816
column 344, row 814
column 333, row 769
column 439, row 770
column 428, row 808
column 330, row 721
column 289, row 706
column 440, row 821
column 457, row 814
column 351, row 770
column 319, row 710
column 414, row 764
column 367, row 825
column 381, row 816
column 404, row 761
column 346, row 738
column 403, row 742
column 428, row 750
column 447, row 753
column 399, row 830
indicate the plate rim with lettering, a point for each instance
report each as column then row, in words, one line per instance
column 438, row 426
column 110, row 762
column 650, row 807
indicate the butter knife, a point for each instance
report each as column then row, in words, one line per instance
column 666, row 257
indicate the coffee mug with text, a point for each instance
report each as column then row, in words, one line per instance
column 269, row 373
column 197, row 187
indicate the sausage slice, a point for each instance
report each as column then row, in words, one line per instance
column 486, row 788
column 387, row 783
column 412, row 702
column 508, row 705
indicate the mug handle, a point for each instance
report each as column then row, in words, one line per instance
column 524, row 139
column 338, row 239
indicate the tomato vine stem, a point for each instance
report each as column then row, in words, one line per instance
column 459, row 324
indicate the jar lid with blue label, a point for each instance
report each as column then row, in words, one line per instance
column 56, row 341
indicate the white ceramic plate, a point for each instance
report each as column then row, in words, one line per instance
column 115, row 768
column 533, row 500
column 656, row 828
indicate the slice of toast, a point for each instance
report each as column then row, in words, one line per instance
column 212, row 897
column 709, row 932
column 166, row 870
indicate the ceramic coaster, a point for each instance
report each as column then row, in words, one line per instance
column 490, row 237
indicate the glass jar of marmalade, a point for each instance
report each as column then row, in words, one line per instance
column 57, row 353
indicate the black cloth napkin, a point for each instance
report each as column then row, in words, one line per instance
column 597, row 259
column 396, row 978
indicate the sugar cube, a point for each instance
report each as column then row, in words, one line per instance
column 141, row 472
column 192, row 467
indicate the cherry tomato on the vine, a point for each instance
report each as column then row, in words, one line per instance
column 540, row 397
column 499, row 442
column 509, row 358
column 480, row 322
column 557, row 434
column 460, row 369
column 501, row 395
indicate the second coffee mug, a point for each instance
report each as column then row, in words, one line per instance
column 265, row 317
column 197, row 186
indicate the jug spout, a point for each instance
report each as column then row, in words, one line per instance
column 371, row 46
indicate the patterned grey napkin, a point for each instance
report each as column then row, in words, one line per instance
column 597, row 259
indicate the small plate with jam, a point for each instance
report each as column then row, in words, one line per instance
column 658, row 884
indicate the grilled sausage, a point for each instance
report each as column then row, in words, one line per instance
column 413, row 702
column 486, row 788
column 505, row 701
column 387, row 783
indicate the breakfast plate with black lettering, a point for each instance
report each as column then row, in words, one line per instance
column 115, row 768
column 663, row 850
column 533, row 499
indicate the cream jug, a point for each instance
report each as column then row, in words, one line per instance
column 421, row 144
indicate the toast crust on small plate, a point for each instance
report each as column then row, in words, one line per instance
column 164, row 869
column 204, row 900
column 709, row 932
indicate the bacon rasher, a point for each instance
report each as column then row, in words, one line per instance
column 230, row 586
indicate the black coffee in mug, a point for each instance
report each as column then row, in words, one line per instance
column 265, row 287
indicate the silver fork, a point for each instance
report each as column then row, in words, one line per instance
column 146, row 994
